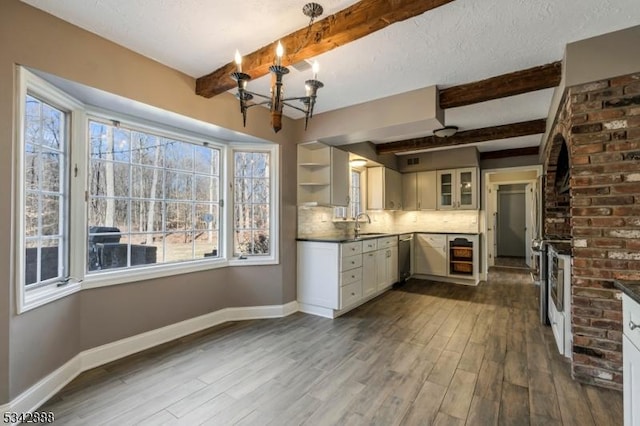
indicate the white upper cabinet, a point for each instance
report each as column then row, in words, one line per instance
column 323, row 175
column 457, row 189
column 384, row 189
column 426, row 191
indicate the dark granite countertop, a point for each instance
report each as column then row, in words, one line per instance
column 348, row 239
column 630, row 288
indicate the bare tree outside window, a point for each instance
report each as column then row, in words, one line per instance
column 251, row 213
column 152, row 199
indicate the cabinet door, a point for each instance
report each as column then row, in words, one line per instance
column 430, row 254
column 446, row 189
column 631, row 382
column 339, row 177
column 381, row 269
column 369, row 278
column 410, row 191
column 375, row 188
column 426, row 190
column 392, row 190
column 466, row 188
column 392, row 265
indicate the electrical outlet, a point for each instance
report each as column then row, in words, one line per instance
column 323, row 218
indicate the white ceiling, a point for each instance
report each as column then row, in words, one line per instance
column 460, row 42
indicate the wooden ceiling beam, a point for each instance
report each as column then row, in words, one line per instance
column 515, row 83
column 508, row 153
column 506, row 131
column 347, row 25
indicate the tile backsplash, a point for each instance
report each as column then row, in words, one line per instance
column 319, row 222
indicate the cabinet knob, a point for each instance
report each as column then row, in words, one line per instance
column 353, row 276
column 633, row 326
column 352, row 293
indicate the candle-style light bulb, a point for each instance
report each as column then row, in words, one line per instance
column 315, row 68
column 238, row 60
column 279, row 53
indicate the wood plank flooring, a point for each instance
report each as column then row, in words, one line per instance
column 424, row 353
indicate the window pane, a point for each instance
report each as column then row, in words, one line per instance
column 179, row 185
column 146, row 182
column 251, row 203
column 156, row 194
column 51, row 162
column 179, row 216
column 44, row 191
column 146, row 149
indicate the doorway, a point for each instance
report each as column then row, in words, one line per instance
column 508, row 181
column 511, row 226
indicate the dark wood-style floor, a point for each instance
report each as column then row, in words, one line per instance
column 424, row 353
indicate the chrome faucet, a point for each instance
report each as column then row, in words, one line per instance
column 357, row 227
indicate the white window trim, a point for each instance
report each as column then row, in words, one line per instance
column 28, row 82
column 77, row 235
column 274, row 200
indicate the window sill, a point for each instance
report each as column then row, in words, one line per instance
column 105, row 279
column 41, row 296
column 250, row 261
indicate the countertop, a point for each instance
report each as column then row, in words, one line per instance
column 347, row 239
column 630, row 288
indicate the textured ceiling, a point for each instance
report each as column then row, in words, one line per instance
column 460, row 42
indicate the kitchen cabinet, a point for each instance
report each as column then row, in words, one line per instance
column 334, row 278
column 457, row 189
column 631, row 360
column 384, row 189
column 323, row 175
column 419, row 190
column 450, row 257
column 431, row 254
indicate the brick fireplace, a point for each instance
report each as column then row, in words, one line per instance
column 600, row 124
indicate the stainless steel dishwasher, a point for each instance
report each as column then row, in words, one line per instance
column 405, row 249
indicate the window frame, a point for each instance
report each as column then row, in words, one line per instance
column 274, row 202
column 30, row 84
column 78, row 161
column 337, row 217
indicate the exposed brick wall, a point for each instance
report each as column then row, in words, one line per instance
column 557, row 208
column 604, row 143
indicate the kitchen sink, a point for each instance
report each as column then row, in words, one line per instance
column 371, row 234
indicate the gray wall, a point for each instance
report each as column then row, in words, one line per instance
column 39, row 341
column 440, row 160
column 501, row 163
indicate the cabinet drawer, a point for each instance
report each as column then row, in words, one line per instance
column 631, row 319
column 387, row 242
column 347, row 277
column 369, row 245
column 349, row 249
column 350, row 294
column 433, row 240
column 351, row 262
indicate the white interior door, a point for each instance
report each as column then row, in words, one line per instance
column 529, row 208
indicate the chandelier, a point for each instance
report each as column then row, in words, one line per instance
column 276, row 100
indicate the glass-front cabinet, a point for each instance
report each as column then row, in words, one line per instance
column 457, row 189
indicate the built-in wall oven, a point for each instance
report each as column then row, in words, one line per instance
column 559, row 294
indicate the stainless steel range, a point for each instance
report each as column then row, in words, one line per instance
column 559, row 294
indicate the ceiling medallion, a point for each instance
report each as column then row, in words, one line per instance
column 276, row 100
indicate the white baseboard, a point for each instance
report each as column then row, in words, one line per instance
column 39, row 393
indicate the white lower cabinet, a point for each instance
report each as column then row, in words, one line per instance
column 631, row 360
column 431, row 254
column 447, row 257
column 334, row 278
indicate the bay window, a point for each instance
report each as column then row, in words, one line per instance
column 105, row 198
